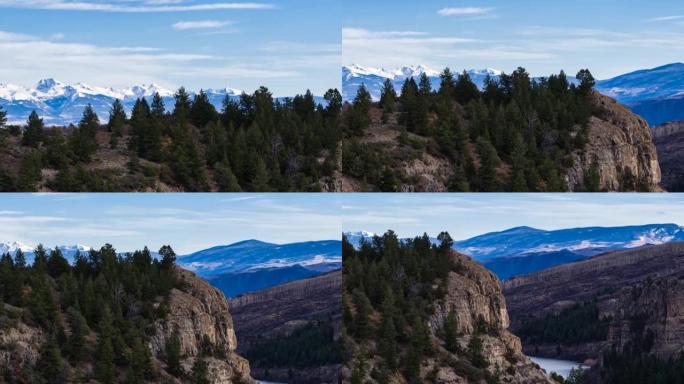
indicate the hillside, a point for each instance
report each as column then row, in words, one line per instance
column 109, row 319
column 415, row 313
column 514, row 135
column 290, row 332
column 620, row 308
column 254, row 143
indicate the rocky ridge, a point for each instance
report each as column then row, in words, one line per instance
column 620, row 144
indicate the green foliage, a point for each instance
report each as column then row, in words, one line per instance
column 116, row 298
column 33, row 134
column 525, row 131
column 200, row 374
column 312, row 345
column 400, row 281
column 254, row 144
column 632, row 368
column 577, row 324
column 173, row 354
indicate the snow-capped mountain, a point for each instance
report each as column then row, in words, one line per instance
column 68, row 251
column 657, row 94
column 59, row 103
column 355, row 75
column 253, row 255
column 520, row 241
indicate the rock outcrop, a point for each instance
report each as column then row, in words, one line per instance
column 620, row 144
column 278, row 311
column 669, row 141
column 641, row 291
column 476, row 299
column 198, row 313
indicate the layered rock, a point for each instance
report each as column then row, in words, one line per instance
column 620, row 144
column 669, row 141
column 641, row 291
column 199, row 313
column 476, row 300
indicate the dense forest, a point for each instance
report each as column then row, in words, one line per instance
column 255, row 143
column 517, row 134
column 579, row 323
column 391, row 288
column 312, row 345
column 96, row 315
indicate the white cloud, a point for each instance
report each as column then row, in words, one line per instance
column 200, row 24
column 464, row 11
column 666, row 18
column 130, row 6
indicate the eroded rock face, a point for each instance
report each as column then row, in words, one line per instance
column 197, row 312
column 20, row 345
column 620, row 144
column 476, row 299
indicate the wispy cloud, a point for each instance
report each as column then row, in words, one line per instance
column 464, row 11
column 200, row 24
column 133, row 6
column 665, row 18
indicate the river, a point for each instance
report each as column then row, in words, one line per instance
column 561, row 367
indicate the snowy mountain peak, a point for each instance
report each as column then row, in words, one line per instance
column 416, row 70
column 13, row 246
column 45, row 85
column 360, row 233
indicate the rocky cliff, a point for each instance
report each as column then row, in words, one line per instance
column 669, row 141
column 620, row 144
column 198, row 313
column 640, row 292
column 476, row 299
column 275, row 312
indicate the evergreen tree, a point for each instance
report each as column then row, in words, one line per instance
column 33, row 134
column 200, row 372
column 182, row 106
column 168, row 257
column 83, row 141
column 50, row 365
column 358, row 119
column 225, row 178
column 158, row 109
column 76, row 345
column 202, row 111
column 117, row 120
column 465, row 90
column 105, row 369
column 451, row 332
column 586, row 80
column 19, row 259
column 388, row 98
column 173, row 354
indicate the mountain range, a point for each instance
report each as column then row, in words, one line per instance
column 245, row 266
column 523, row 250
column 657, row 94
column 60, row 104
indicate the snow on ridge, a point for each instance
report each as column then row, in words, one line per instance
column 354, row 70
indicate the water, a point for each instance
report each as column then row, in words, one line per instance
column 561, row 367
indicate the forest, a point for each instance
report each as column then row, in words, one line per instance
column 517, row 134
column 390, row 290
column 256, row 143
column 96, row 315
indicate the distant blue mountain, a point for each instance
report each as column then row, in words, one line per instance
column 524, row 249
column 251, row 255
column 235, row 283
column 656, row 94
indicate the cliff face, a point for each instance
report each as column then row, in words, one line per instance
column 278, row 311
column 641, row 291
column 669, row 141
column 476, row 299
column 620, row 144
column 197, row 312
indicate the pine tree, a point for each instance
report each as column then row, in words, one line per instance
column 105, row 370
column 182, row 106
column 202, row 111
column 76, row 345
column 388, row 97
column 158, row 109
column 33, row 134
column 168, row 257
column 225, row 178
column 50, row 365
column 173, row 354
column 200, row 372
column 19, row 259
column 363, row 311
column 358, row 119
column 451, row 332
column 83, row 141
column 117, row 119
column 586, row 80
column 3, row 117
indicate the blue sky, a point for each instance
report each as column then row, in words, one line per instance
column 188, row 222
column 610, row 37
column 287, row 45
column 468, row 215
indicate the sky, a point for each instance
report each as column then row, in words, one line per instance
column 287, row 45
column 610, row 37
column 468, row 215
column 187, row 222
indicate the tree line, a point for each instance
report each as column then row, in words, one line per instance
column 97, row 315
column 528, row 127
column 255, row 143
